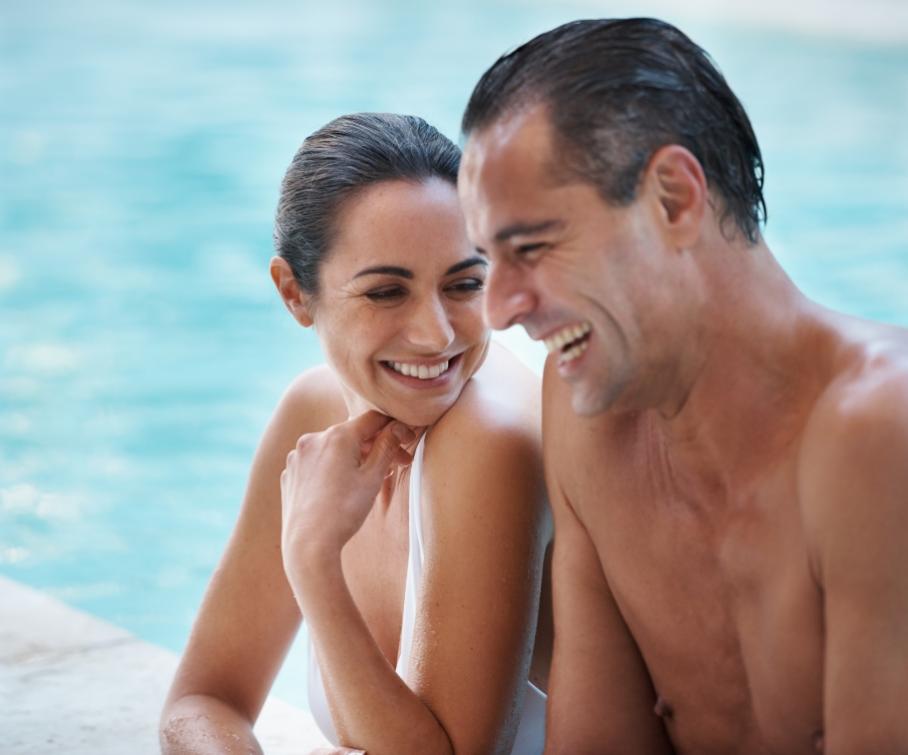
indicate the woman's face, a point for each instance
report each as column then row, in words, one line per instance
column 399, row 310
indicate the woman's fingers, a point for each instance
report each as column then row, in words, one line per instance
column 368, row 428
column 403, row 458
column 366, row 425
column 332, row 477
column 385, row 449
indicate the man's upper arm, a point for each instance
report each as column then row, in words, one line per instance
column 854, row 493
column 600, row 695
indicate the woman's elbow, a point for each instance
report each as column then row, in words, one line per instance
column 197, row 723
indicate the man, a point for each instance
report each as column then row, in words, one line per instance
column 727, row 460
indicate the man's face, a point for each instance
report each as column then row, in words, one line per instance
column 575, row 271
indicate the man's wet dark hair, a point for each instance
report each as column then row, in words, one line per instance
column 341, row 159
column 618, row 89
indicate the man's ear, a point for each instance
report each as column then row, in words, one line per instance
column 297, row 301
column 678, row 185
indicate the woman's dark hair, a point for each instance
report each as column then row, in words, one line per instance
column 340, row 159
column 618, row 89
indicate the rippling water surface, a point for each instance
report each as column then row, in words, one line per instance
column 141, row 145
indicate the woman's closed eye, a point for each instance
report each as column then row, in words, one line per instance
column 386, row 294
column 465, row 286
column 462, row 288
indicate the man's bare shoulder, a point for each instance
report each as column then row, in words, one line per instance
column 855, row 445
column 863, row 404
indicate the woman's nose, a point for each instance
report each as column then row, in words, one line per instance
column 431, row 327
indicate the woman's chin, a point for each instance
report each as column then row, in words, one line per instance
column 412, row 413
column 418, row 417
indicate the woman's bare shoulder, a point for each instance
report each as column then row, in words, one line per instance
column 312, row 401
column 482, row 472
column 488, row 446
column 504, row 396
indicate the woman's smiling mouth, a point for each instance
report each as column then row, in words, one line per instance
column 425, row 373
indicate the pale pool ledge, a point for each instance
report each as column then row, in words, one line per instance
column 72, row 683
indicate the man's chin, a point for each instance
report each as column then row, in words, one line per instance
column 589, row 403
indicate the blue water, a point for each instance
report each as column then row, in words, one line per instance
column 141, row 145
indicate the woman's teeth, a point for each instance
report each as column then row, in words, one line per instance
column 565, row 336
column 420, row 371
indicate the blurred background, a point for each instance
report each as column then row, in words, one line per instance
column 142, row 347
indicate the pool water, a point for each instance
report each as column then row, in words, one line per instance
column 141, row 146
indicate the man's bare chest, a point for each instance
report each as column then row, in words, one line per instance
column 721, row 601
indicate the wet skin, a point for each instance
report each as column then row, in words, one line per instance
column 323, row 531
column 711, row 578
column 712, row 453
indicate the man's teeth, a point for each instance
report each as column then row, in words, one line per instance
column 421, row 371
column 564, row 336
column 573, row 352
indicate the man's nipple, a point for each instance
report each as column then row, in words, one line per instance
column 663, row 709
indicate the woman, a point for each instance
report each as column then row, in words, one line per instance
column 420, row 582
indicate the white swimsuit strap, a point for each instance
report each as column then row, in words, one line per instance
column 414, row 561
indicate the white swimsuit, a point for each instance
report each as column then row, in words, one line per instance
column 531, row 731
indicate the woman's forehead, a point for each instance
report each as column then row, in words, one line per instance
column 417, row 226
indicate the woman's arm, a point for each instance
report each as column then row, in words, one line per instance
column 204, row 725
column 329, row 486
column 486, row 533
column 249, row 616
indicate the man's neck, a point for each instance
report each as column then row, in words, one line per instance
column 744, row 379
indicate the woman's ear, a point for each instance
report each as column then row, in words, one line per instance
column 297, row 301
column 679, row 185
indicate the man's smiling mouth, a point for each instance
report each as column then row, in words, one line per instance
column 571, row 341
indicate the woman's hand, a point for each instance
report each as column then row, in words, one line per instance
column 330, row 483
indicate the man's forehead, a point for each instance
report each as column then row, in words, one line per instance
column 521, row 136
column 509, row 171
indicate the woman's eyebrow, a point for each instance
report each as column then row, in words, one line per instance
column 400, row 272
column 464, row 264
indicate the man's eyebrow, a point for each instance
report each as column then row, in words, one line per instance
column 464, row 264
column 527, row 229
column 400, row 272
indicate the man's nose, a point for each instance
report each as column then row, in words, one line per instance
column 508, row 297
column 431, row 328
